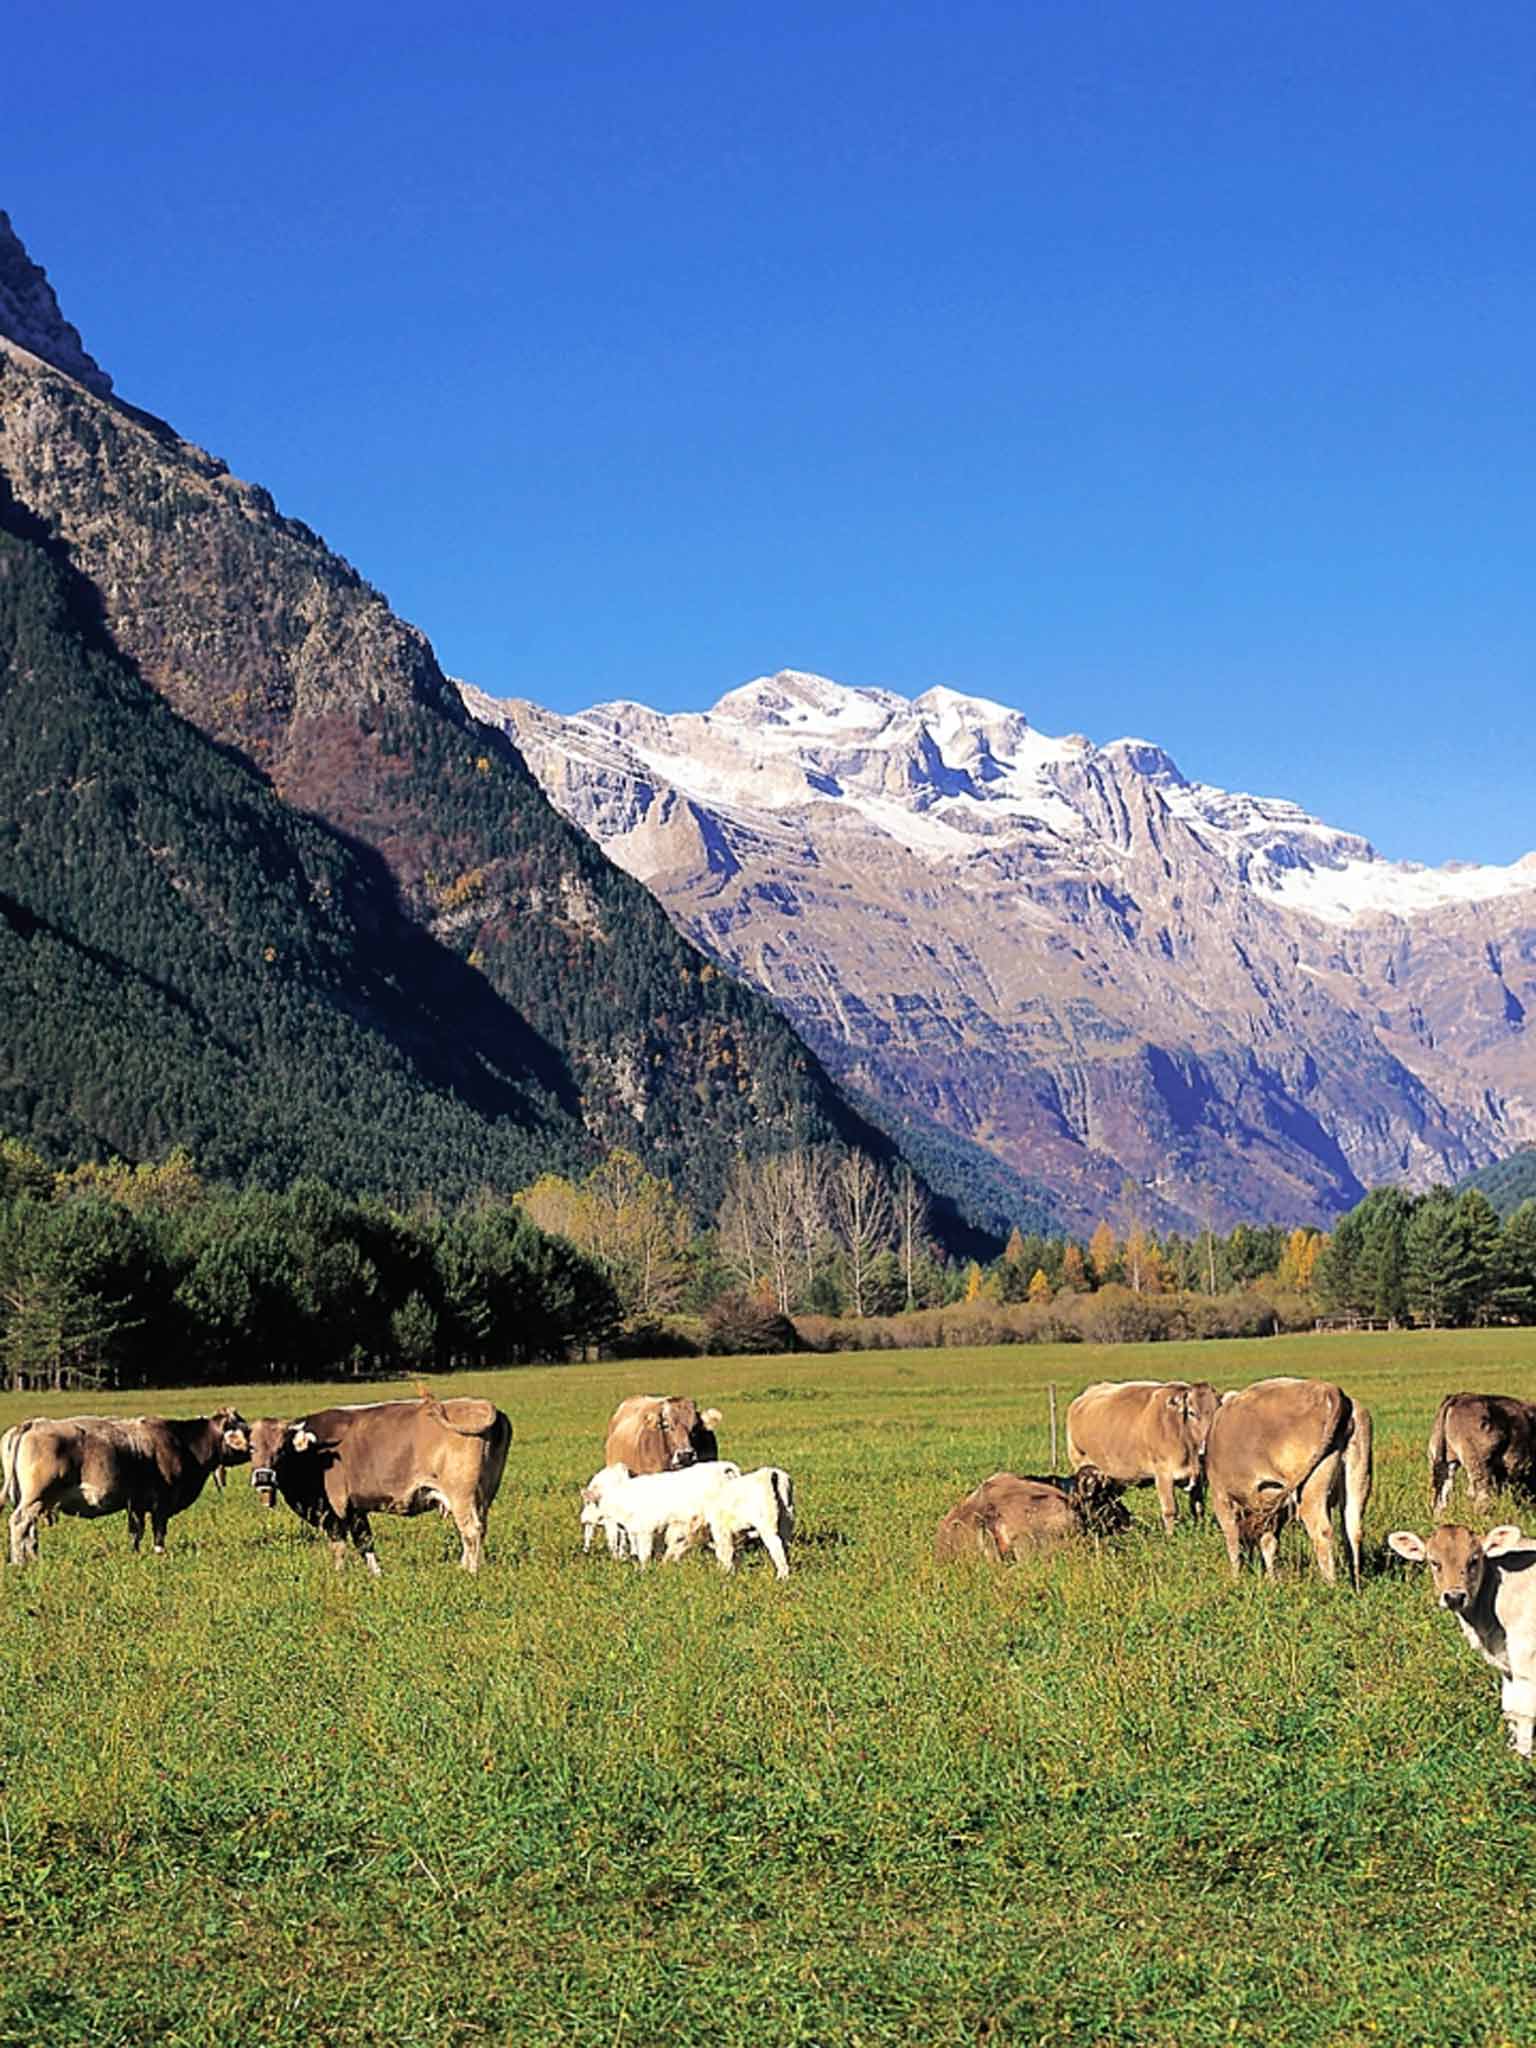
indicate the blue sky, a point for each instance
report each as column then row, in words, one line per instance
column 1159, row 368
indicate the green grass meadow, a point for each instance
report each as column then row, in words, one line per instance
column 1112, row 1797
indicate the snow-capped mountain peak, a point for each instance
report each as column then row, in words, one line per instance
column 1072, row 954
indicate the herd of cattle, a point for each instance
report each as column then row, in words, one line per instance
column 1267, row 1454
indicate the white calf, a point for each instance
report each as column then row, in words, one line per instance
column 1489, row 1584
column 638, row 1508
column 592, row 1509
column 760, row 1504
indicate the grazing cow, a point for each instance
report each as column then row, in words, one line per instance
column 1008, row 1514
column 661, row 1433
column 1489, row 1584
column 1145, row 1433
column 150, row 1466
column 636, row 1509
column 1490, row 1437
column 338, row 1466
column 760, row 1504
column 1284, row 1448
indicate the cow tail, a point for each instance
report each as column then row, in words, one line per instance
column 10, row 1458
column 784, row 1497
column 1358, row 1471
column 1441, row 1463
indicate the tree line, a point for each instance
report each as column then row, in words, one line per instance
column 140, row 1275
column 124, row 1276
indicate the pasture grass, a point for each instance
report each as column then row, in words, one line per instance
column 1106, row 1798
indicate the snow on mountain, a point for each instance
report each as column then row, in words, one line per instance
column 945, row 775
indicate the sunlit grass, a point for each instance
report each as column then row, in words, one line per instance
column 1107, row 1798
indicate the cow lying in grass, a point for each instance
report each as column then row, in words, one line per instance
column 1008, row 1514
column 636, row 1511
column 1489, row 1584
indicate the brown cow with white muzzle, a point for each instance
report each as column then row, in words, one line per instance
column 149, row 1466
column 338, row 1466
column 661, row 1433
column 1489, row 1584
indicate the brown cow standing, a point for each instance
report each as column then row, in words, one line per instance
column 337, row 1467
column 1490, row 1437
column 266, row 1433
column 1289, row 1447
column 150, row 1465
column 1008, row 1514
column 1145, row 1433
column 661, row 1433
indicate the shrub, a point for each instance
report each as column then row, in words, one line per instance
column 739, row 1322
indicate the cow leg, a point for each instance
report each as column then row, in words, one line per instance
column 1226, row 1520
column 1315, row 1509
column 773, row 1543
column 362, row 1536
column 724, row 1541
column 24, row 1532
column 135, row 1527
column 1519, row 1703
column 1165, row 1501
column 1443, row 1492
column 158, row 1519
column 641, row 1542
column 1196, row 1491
column 471, row 1528
column 1269, row 1551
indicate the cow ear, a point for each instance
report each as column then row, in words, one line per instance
column 1406, row 1544
column 711, row 1418
column 589, row 1495
column 1499, row 1542
column 302, row 1437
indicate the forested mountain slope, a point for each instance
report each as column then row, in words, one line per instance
column 499, row 957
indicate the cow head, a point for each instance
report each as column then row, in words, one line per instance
column 1200, row 1404
column 1098, row 1501
column 687, row 1434
column 271, row 1441
column 1457, row 1558
column 234, row 1436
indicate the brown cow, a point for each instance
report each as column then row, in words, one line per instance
column 661, row 1433
column 1008, row 1514
column 266, row 1433
column 338, row 1466
column 150, row 1465
column 1490, row 1437
column 1145, row 1433
column 1284, row 1448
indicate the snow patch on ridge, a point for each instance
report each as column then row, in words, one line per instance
column 948, row 776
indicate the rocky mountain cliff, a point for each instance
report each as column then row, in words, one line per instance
column 1099, row 970
column 581, row 1008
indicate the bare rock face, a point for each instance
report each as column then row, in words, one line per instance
column 29, row 314
column 1072, row 954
